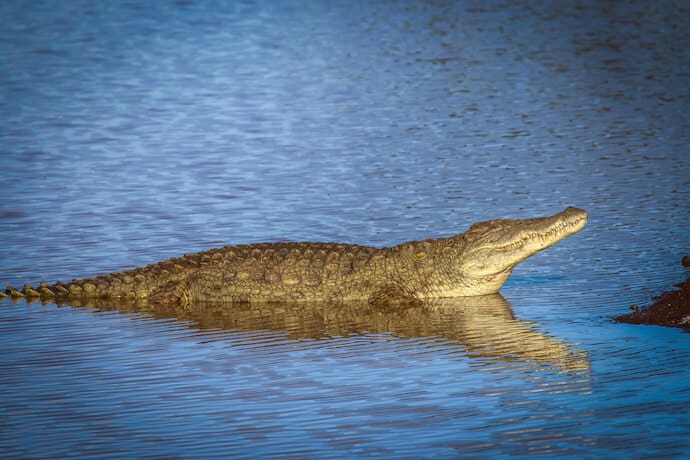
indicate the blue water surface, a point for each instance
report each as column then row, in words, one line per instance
column 131, row 132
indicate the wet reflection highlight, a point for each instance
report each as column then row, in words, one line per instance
column 483, row 327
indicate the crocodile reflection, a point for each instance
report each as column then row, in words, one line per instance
column 482, row 326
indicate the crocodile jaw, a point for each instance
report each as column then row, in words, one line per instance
column 492, row 249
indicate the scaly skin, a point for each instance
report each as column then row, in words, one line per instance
column 476, row 262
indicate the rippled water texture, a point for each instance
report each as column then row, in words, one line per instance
column 133, row 132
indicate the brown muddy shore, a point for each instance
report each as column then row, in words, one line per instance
column 671, row 309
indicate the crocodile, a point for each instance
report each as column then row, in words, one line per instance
column 476, row 262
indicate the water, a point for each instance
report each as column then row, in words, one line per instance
column 133, row 133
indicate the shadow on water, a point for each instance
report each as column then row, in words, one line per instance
column 483, row 327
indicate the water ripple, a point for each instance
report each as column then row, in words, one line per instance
column 142, row 131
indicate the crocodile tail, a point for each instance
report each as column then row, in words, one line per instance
column 127, row 285
column 44, row 291
column 76, row 289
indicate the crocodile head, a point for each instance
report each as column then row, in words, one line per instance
column 492, row 249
